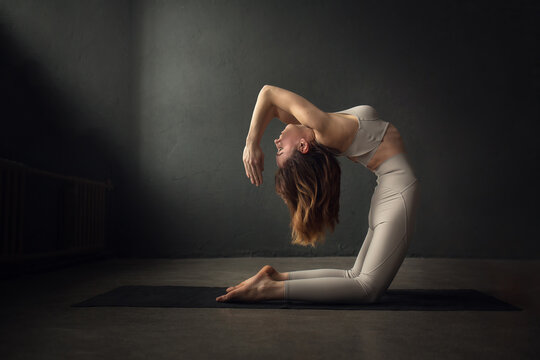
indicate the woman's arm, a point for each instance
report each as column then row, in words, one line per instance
column 262, row 114
column 285, row 117
column 253, row 156
column 290, row 108
column 273, row 101
column 301, row 109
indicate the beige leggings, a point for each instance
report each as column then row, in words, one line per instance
column 391, row 224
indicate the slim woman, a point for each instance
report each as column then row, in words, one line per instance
column 308, row 181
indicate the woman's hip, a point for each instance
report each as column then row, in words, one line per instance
column 395, row 173
column 389, row 205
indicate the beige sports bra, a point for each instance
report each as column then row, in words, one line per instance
column 370, row 133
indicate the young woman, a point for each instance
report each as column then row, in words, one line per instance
column 308, row 181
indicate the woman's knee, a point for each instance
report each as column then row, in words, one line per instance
column 372, row 291
column 352, row 273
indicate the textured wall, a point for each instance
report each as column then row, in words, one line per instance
column 158, row 95
column 65, row 91
column 457, row 79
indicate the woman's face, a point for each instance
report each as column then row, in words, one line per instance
column 292, row 138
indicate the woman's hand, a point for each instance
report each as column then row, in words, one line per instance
column 254, row 163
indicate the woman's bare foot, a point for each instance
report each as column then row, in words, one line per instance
column 257, row 288
column 273, row 273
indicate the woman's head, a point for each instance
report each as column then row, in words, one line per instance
column 293, row 138
column 309, row 183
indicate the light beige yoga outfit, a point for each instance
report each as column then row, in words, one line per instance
column 391, row 223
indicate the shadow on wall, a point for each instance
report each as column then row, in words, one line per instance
column 43, row 126
column 39, row 125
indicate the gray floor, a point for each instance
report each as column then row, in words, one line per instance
column 38, row 322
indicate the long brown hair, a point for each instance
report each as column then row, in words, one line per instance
column 310, row 184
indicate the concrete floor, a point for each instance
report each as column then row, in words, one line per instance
column 38, row 322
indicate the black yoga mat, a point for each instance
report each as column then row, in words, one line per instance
column 205, row 297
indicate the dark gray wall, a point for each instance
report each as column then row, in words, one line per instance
column 65, row 92
column 459, row 80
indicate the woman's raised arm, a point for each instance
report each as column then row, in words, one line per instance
column 285, row 117
column 262, row 114
column 253, row 156
column 300, row 108
column 289, row 107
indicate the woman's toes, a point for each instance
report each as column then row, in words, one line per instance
column 223, row 298
column 232, row 288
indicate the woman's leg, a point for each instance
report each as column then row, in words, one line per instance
column 319, row 273
column 391, row 216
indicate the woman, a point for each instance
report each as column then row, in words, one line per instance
column 308, row 181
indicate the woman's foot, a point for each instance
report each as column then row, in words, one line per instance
column 273, row 273
column 257, row 288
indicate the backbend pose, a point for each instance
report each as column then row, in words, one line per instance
column 308, row 181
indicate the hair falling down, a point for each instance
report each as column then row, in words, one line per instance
column 310, row 186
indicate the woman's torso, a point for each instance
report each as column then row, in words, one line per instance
column 391, row 143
